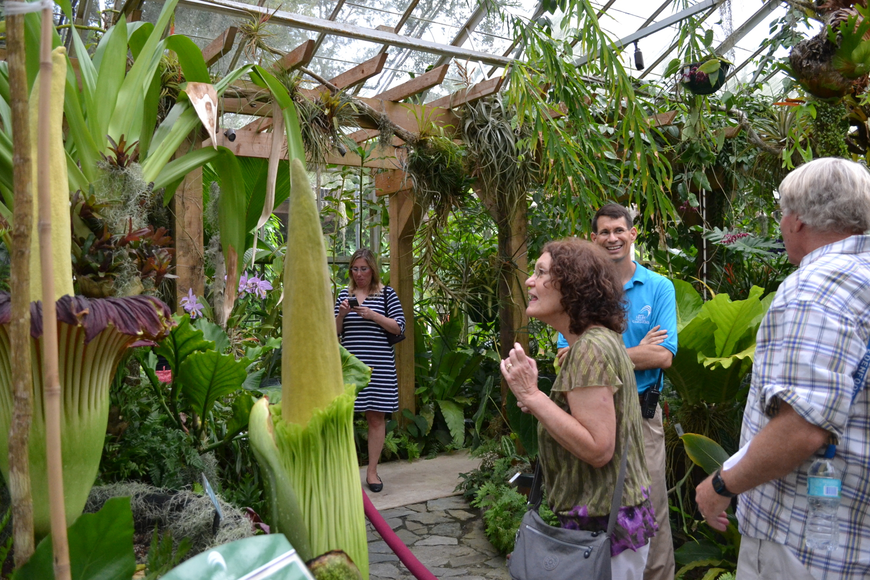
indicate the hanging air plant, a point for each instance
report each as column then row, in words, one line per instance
column 437, row 167
column 499, row 154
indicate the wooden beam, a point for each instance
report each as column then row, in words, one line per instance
column 299, row 56
column 390, row 182
column 473, row 93
column 416, row 85
column 358, row 74
column 363, row 135
column 404, row 115
column 361, row 72
column 220, row 46
column 258, row 125
column 409, row 117
column 259, row 145
column 246, row 107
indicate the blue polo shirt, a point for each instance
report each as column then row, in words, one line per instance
column 652, row 302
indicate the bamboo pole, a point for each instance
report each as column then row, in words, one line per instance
column 22, row 228
column 51, row 379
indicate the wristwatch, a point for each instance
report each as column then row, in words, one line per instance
column 719, row 485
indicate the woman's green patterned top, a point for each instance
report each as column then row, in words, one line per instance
column 598, row 358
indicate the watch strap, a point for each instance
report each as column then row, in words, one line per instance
column 719, row 485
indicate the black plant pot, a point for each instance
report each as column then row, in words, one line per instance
column 703, row 86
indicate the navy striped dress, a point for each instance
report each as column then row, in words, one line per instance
column 367, row 340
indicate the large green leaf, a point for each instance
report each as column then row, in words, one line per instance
column 354, row 371
column 207, row 376
column 697, row 551
column 717, row 346
column 176, row 169
column 86, row 150
column 242, row 406
column 150, row 108
column 689, row 303
column 100, row 547
column 183, row 340
column 190, row 58
column 113, row 68
column 213, row 333
column 137, row 80
column 735, row 321
column 454, row 416
column 255, row 172
column 231, row 210
column 704, row 452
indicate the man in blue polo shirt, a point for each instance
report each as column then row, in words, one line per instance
column 651, row 340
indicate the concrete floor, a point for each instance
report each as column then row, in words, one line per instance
column 421, row 480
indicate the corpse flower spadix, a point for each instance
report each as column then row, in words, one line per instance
column 305, row 444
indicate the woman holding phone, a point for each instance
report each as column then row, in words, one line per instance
column 364, row 312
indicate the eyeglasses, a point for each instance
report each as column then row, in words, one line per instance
column 776, row 215
column 360, row 269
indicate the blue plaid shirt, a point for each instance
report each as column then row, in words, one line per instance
column 808, row 349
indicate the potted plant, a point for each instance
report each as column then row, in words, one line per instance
column 705, row 76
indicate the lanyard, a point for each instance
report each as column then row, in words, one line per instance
column 861, row 374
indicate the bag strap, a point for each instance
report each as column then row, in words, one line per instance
column 535, row 494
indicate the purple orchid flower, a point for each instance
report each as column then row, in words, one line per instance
column 191, row 304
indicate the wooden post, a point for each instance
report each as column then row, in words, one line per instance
column 513, row 256
column 19, row 328
column 405, row 217
column 513, row 299
column 189, row 251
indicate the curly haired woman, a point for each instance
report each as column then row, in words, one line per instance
column 592, row 416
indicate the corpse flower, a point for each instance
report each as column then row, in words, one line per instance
column 92, row 336
column 305, row 445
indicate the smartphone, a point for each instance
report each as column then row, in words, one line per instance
column 353, row 302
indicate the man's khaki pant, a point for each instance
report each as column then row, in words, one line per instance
column 763, row 560
column 660, row 563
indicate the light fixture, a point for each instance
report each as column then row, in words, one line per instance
column 638, row 57
column 230, row 134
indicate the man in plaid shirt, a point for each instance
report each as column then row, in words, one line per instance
column 804, row 393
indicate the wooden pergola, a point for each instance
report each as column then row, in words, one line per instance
column 405, row 214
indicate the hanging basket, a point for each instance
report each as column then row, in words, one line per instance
column 699, row 82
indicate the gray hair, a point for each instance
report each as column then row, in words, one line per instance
column 829, row 194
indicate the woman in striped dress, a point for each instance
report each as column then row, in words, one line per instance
column 364, row 312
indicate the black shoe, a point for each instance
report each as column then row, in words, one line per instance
column 376, row 487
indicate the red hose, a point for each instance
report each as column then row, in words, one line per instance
column 398, row 547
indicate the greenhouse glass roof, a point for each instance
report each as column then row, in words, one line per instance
column 419, row 34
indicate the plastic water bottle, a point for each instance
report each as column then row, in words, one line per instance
column 823, row 497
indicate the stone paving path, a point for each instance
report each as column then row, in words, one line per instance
column 445, row 534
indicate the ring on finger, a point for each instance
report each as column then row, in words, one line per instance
column 509, row 366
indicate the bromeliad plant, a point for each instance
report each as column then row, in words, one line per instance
column 305, row 444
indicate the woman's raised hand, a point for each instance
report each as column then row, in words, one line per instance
column 521, row 374
column 344, row 308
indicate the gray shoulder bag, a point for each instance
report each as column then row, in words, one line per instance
column 544, row 552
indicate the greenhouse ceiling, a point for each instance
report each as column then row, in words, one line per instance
column 417, row 35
